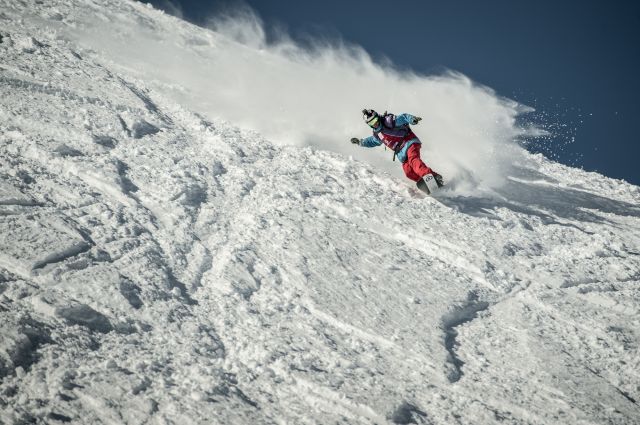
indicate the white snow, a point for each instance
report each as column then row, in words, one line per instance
column 159, row 264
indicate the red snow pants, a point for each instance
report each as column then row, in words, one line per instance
column 414, row 168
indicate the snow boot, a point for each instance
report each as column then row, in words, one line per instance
column 439, row 179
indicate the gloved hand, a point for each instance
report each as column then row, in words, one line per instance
column 355, row 140
column 416, row 120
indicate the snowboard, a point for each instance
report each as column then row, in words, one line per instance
column 427, row 184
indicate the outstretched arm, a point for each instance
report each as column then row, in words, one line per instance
column 367, row 142
column 370, row 142
column 404, row 119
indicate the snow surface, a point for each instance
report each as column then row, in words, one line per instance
column 160, row 265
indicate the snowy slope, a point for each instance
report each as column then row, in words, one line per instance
column 161, row 265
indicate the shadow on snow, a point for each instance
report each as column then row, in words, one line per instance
column 534, row 194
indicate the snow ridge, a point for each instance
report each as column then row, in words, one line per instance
column 468, row 312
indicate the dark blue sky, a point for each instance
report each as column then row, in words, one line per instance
column 576, row 62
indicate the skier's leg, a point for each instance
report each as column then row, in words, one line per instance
column 414, row 161
column 418, row 166
column 408, row 171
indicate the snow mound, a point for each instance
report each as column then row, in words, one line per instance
column 160, row 264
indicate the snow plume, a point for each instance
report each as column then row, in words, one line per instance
column 313, row 94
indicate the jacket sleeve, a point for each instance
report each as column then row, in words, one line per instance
column 403, row 119
column 370, row 142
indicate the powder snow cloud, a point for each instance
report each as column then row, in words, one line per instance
column 313, row 94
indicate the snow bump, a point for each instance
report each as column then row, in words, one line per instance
column 30, row 242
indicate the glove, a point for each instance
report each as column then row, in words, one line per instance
column 416, row 120
column 355, row 140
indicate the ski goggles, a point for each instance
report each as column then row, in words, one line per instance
column 373, row 121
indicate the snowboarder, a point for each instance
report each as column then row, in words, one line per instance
column 395, row 133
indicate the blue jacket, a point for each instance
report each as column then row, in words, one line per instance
column 399, row 132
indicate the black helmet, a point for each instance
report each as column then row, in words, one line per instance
column 371, row 117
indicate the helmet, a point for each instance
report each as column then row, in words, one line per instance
column 371, row 117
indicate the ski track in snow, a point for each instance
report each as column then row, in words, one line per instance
column 157, row 266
